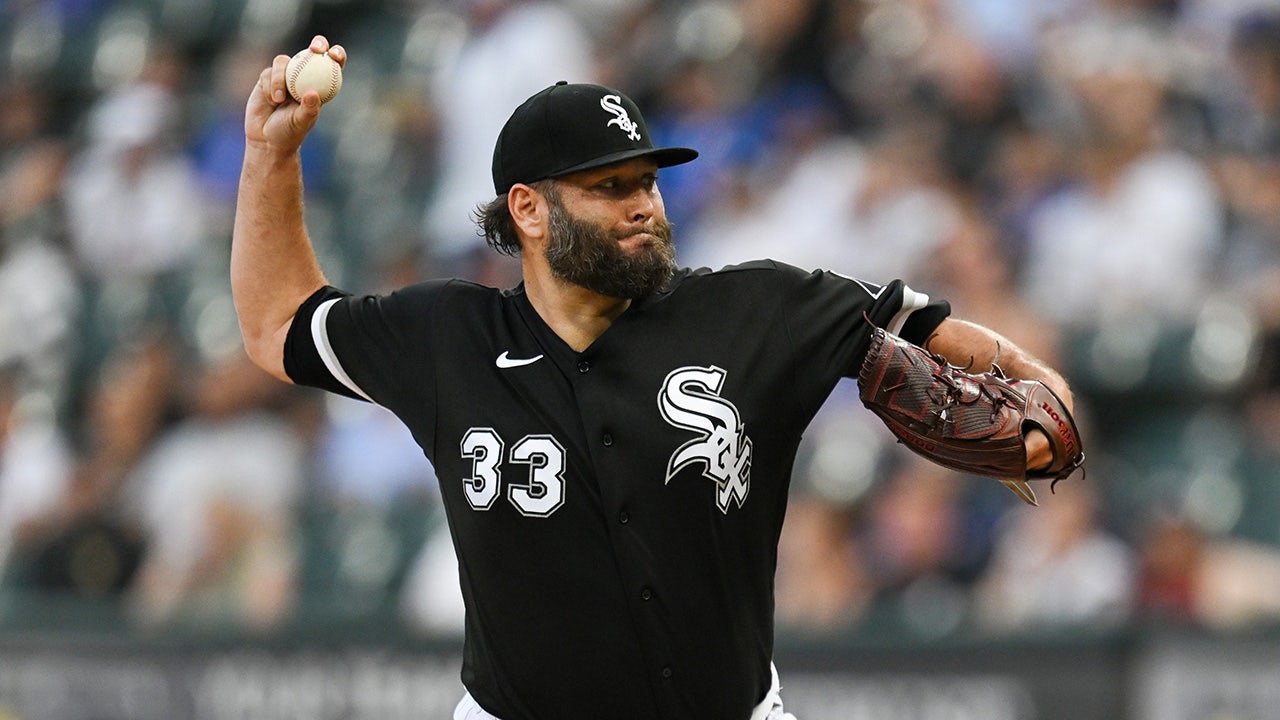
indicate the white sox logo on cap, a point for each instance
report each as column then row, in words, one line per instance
column 613, row 104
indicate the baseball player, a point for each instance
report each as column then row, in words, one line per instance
column 614, row 437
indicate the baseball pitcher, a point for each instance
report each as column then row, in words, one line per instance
column 614, row 437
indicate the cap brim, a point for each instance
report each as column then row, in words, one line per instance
column 663, row 157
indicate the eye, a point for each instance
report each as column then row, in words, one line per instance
column 618, row 185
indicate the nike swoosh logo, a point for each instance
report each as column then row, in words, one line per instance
column 504, row 361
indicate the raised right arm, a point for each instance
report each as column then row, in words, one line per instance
column 273, row 266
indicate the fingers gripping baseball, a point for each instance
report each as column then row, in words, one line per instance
column 273, row 116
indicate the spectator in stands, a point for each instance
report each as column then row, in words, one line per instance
column 39, row 292
column 922, row 551
column 978, row 278
column 88, row 543
column 1191, row 575
column 870, row 209
column 135, row 211
column 1136, row 237
column 35, row 462
column 513, row 49
column 822, row 583
column 1057, row 566
column 215, row 498
column 1248, row 170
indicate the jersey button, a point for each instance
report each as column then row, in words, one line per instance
column 666, row 672
column 646, row 594
column 607, row 439
column 624, row 517
column 583, row 366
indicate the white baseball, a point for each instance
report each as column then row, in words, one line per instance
column 313, row 71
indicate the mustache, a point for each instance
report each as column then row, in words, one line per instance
column 660, row 229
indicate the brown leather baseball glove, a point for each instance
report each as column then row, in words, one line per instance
column 969, row 422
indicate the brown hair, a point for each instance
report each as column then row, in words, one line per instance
column 494, row 222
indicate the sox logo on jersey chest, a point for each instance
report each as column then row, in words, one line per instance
column 690, row 399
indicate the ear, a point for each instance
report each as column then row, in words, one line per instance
column 530, row 212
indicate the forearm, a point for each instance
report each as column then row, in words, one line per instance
column 273, row 266
column 964, row 343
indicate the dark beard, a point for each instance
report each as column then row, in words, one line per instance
column 586, row 255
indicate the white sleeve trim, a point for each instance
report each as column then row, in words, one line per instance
column 911, row 302
column 320, row 336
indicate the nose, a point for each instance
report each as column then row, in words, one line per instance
column 644, row 204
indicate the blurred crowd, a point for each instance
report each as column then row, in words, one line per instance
column 1097, row 179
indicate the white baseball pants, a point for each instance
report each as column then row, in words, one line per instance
column 769, row 709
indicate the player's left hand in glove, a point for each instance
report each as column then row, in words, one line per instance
column 971, row 422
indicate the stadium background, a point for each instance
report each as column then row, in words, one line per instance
column 183, row 538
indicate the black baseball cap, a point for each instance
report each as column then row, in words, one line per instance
column 570, row 127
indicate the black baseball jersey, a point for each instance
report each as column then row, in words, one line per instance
column 615, row 512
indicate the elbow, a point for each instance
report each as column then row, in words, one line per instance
column 265, row 320
column 265, row 349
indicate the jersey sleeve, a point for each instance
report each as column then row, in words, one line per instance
column 830, row 316
column 363, row 347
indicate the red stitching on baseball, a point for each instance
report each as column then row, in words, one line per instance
column 297, row 70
